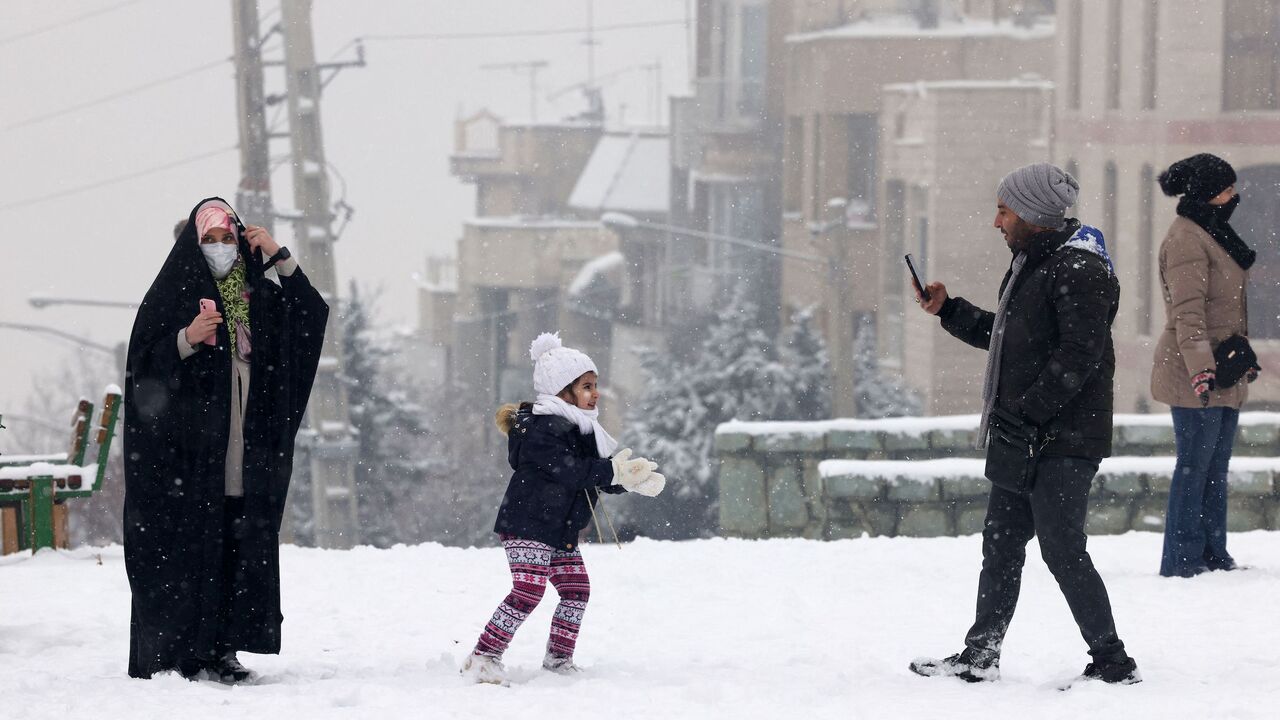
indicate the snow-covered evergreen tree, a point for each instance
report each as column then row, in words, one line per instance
column 391, row 429
column 736, row 372
column 879, row 394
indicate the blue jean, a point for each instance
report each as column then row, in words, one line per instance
column 1195, row 530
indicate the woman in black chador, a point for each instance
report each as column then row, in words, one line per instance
column 221, row 361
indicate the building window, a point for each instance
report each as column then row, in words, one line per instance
column 893, row 339
column 1151, row 55
column 1251, row 55
column 863, row 133
column 1258, row 222
column 795, row 156
column 815, row 166
column 1110, row 189
column 1075, row 51
column 739, row 41
column 1146, row 249
column 1114, row 19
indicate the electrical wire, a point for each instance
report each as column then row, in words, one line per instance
column 525, row 33
column 69, row 21
column 117, row 95
column 115, row 180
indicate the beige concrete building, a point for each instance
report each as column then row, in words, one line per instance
column 1143, row 83
column 945, row 147
column 838, row 133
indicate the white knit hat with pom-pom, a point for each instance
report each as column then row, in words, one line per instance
column 556, row 366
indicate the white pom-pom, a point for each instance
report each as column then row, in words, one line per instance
column 544, row 343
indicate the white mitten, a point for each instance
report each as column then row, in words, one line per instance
column 627, row 471
column 651, row 486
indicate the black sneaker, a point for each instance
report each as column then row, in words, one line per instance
column 962, row 665
column 1124, row 672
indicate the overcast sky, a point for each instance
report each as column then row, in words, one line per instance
column 388, row 131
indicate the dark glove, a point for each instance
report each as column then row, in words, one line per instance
column 1202, row 384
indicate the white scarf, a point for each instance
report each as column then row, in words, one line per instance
column 588, row 421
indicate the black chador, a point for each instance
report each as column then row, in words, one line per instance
column 204, row 567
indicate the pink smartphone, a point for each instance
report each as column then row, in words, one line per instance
column 205, row 305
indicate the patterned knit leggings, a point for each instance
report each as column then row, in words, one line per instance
column 532, row 565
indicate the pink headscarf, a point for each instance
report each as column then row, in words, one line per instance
column 214, row 215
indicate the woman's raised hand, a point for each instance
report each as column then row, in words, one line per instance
column 258, row 237
column 203, row 327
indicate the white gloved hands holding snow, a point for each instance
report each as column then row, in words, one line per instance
column 651, row 486
column 628, row 471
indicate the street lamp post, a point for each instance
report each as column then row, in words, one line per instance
column 119, row 352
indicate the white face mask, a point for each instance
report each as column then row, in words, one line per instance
column 220, row 256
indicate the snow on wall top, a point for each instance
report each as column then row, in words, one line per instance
column 905, row 26
column 626, row 173
column 922, row 425
column 593, row 269
column 929, row 470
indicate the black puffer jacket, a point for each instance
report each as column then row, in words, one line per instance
column 558, row 473
column 1058, row 363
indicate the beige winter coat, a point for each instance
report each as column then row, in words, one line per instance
column 1204, row 304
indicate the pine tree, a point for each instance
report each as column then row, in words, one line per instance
column 390, row 429
column 879, row 394
column 736, row 372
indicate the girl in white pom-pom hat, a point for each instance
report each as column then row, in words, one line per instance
column 562, row 460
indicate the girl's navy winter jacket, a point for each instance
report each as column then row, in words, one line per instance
column 558, row 473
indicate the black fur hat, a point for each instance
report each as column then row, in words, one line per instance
column 1200, row 177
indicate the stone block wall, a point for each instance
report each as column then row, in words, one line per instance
column 923, row 477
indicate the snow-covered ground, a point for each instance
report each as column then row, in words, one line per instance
column 709, row 629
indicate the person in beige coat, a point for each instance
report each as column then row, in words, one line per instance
column 1204, row 268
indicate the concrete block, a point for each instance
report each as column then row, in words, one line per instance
column 1149, row 513
column 1264, row 436
column 971, row 517
column 962, row 441
column 1145, row 436
column 733, row 442
column 914, row 489
column 875, row 517
column 898, row 442
column 1160, row 483
column 799, row 442
column 1108, row 516
column 924, row 520
column 852, row 442
column 844, row 530
column 853, row 487
column 743, row 505
column 1127, row 484
column 788, row 509
column 1272, row 507
column 1244, row 513
column 964, row 487
column 1256, row 482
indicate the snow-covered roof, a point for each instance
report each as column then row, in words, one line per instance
column 627, row 172
column 906, row 26
column 593, row 269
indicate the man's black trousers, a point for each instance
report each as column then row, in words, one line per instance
column 1055, row 513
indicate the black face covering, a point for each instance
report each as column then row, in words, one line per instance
column 1215, row 221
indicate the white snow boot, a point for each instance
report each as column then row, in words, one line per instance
column 484, row 669
column 560, row 664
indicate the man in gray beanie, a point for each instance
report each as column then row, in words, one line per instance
column 1046, row 417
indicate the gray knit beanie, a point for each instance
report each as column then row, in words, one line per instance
column 1040, row 194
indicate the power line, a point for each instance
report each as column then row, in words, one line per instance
column 115, row 180
column 525, row 33
column 117, row 95
column 69, row 21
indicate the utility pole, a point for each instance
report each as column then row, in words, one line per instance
column 332, row 448
column 253, row 196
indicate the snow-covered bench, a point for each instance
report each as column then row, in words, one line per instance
column 924, row 477
column 35, row 488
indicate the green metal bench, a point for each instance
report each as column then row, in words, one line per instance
column 35, row 488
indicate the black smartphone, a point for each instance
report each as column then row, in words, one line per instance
column 924, row 294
